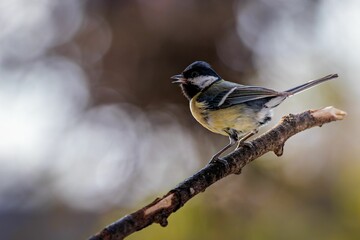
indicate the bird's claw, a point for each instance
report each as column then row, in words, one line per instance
column 219, row 160
column 248, row 144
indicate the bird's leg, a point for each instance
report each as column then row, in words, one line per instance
column 233, row 139
column 246, row 137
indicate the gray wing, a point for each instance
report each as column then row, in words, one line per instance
column 224, row 96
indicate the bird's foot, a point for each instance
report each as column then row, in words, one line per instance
column 241, row 144
column 216, row 159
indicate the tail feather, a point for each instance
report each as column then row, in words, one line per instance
column 310, row 84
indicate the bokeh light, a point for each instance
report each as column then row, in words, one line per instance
column 91, row 127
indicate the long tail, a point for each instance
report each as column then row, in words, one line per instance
column 310, row 84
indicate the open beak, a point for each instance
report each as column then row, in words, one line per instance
column 179, row 78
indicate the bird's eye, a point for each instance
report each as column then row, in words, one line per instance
column 194, row 74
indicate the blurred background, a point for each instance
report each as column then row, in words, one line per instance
column 91, row 127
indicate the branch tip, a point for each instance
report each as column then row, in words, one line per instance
column 329, row 112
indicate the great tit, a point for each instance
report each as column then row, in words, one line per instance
column 228, row 108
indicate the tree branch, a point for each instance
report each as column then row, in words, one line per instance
column 160, row 209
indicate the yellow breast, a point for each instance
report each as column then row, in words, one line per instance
column 219, row 121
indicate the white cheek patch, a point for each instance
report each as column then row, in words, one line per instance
column 203, row 81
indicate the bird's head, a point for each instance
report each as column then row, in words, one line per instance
column 195, row 78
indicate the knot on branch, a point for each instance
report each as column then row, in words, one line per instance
column 279, row 150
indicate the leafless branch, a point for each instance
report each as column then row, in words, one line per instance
column 160, row 209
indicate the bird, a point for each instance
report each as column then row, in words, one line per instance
column 228, row 108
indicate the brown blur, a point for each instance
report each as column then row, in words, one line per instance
column 92, row 127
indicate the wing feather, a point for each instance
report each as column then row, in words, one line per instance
column 241, row 94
